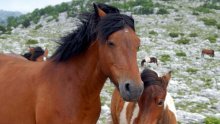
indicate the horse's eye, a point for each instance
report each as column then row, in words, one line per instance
column 110, row 43
column 160, row 102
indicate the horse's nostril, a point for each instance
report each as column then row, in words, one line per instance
column 127, row 87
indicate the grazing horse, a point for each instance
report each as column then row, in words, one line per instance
column 155, row 105
column 209, row 52
column 149, row 60
column 66, row 88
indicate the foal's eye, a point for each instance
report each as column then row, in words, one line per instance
column 110, row 43
column 160, row 102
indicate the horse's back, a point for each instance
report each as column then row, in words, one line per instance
column 16, row 91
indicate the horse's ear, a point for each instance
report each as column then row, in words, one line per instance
column 46, row 52
column 166, row 78
column 99, row 12
column 31, row 49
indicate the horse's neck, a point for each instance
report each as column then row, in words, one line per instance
column 82, row 72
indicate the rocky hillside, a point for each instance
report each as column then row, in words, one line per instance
column 175, row 35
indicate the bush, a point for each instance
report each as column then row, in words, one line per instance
column 38, row 26
column 218, row 26
column 195, row 13
column 165, row 58
column 192, row 70
column 180, row 53
column 193, row 35
column 182, row 41
column 212, row 120
column 209, row 22
column 153, row 32
column 31, row 41
column 202, row 9
column 2, row 29
column 162, row 11
column 173, row 34
column 212, row 39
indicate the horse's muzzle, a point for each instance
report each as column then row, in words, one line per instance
column 130, row 91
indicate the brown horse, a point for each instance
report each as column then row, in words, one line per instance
column 66, row 88
column 149, row 60
column 209, row 52
column 34, row 54
column 155, row 105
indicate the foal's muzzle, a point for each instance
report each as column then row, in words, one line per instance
column 130, row 91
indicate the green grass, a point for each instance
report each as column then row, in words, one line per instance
column 193, row 35
column 31, row 41
column 192, row 70
column 180, row 54
column 174, row 34
column 165, row 58
column 212, row 39
column 182, row 41
column 209, row 22
column 162, row 11
column 202, row 9
column 153, row 32
column 212, row 120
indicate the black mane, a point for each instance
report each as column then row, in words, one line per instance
column 150, row 77
column 91, row 26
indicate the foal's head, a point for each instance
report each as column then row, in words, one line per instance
column 118, row 53
column 152, row 100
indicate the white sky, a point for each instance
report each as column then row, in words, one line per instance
column 27, row 5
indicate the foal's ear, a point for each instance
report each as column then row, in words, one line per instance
column 166, row 79
column 99, row 12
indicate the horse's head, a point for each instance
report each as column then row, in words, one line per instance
column 118, row 44
column 37, row 54
column 152, row 100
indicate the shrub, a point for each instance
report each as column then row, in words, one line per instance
column 218, row 26
column 195, row 13
column 212, row 39
column 162, row 11
column 209, row 22
column 153, row 32
column 202, row 9
column 192, row 70
column 182, row 41
column 38, row 26
column 2, row 29
column 212, row 120
column 165, row 58
column 31, row 41
column 193, row 35
column 181, row 54
column 173, row 34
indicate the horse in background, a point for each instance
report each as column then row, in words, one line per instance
column 209, row 52
column 36, row 54
column 155, row 105
column 33, row 54
column 149, row 60
column 66, row 88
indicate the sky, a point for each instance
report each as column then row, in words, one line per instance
column 25, row 6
